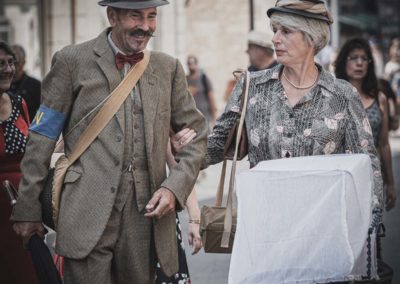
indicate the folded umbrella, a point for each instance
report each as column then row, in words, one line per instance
column 46, row 270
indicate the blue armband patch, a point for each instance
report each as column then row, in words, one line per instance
column 48, row 122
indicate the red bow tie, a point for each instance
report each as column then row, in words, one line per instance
column 121, row 59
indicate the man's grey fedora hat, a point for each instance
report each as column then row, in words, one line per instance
column 133, row 4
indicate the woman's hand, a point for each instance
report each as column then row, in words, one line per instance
column 180, row 139
column 194, row 237
column 391, row 197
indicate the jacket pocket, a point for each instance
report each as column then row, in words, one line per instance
column 72, row 176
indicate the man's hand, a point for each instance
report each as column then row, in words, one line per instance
column 27, row 229
column 162, row 203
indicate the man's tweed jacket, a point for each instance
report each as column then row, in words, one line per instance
column 82, row 76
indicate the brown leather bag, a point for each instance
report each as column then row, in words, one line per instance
column 230, row 141
column 213, row 221
column 218, row 223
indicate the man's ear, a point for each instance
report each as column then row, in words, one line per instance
column 112, row 16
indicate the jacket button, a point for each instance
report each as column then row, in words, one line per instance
column 113, row 189
column 118, row 138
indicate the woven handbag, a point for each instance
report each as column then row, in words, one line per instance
column 51, row 194
column 218, row 223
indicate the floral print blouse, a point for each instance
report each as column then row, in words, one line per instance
column 330, row 119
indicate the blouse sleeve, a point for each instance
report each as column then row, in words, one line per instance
column 219, row 134
column 358, row 139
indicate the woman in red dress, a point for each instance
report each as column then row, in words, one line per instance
column 15, row 262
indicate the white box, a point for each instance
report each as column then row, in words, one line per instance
column 304, row 220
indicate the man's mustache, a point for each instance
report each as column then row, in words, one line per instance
column 140, row 32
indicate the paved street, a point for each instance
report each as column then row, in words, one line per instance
column 213, row 268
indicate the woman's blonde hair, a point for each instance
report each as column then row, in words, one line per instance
column 315, row 32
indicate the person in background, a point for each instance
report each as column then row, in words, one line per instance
column 393, row 109
column 117, row 213
column 25, row 85
column 377, row 56
column 392, row 69
column 15, row 262
column 201, row 89
column 355, row 64
column 393, row 65
column 260, row 50
column 326, row 57
column 261, row 55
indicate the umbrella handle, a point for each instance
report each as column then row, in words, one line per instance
column 11, row 192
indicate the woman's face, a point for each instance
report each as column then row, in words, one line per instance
column 290, row 46
column 357, row 64
column 7, row 70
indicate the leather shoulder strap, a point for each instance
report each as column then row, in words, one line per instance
column 228, row 216
column 110, row 108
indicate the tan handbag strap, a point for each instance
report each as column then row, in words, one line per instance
column 228, row 216
column 110, row 108
column 221, row 184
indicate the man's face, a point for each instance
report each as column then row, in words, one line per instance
column 192, row 64
column 132, row 29
column 254, row 52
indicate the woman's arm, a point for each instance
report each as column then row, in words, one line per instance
column 213, row 105
column 217, row 138
column 192, row 206
column 385, row 154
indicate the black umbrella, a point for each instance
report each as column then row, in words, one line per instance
column 46, row 271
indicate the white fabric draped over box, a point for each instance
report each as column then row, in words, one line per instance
column 304, row 220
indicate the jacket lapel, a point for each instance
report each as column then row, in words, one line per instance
column 148, row 85
column 106, row 62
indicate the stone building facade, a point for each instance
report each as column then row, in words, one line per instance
column 215, row 31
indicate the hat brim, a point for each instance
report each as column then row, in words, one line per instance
column 134, row 4
column 298, row 13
